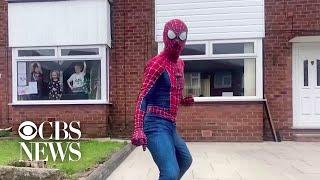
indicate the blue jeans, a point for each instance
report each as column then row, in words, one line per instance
column 168, row 149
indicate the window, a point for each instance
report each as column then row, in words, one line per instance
column 79, row 52
column 226, row 70
column 233, row 48
column 306, row 72
column 194, row 49
column 36, row 52
column 60, row 79
column 224, row 77
column 318, row 72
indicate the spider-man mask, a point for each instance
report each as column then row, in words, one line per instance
column 174, row 37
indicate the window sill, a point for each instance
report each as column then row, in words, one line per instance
column 80, row 102
column 302, row 127
column 228, row 99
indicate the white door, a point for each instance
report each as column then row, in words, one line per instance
column 306, row 85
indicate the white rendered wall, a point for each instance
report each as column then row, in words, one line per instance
column 213, row 19
column 76, row 22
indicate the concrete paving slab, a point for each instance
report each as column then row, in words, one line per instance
column 234, row 161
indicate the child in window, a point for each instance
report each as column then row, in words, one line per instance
column 77, row 79
column 55, row 91
column 37, row 76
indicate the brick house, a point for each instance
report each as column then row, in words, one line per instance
column 237, row 52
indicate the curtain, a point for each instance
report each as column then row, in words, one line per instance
column 192, row 84
column 249, row 77
column 205, row 87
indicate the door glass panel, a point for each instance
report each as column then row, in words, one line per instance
column 306, row 73
column 318, row 72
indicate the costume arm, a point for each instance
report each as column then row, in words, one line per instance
column 187, row 101
column 152, row 72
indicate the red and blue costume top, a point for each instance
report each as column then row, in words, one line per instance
column 161, row 91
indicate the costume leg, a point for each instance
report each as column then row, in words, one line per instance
column 161, row 147
column 160, row 136
column 183, row 155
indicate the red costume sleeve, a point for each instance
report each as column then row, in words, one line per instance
column 152, row 72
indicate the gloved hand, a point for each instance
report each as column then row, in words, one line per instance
column 139, row 138
column 187, row 101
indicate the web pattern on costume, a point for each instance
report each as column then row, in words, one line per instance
column 166, row 62
column 152, row 72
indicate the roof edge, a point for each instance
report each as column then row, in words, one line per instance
column 26, row 1
column 305, row 39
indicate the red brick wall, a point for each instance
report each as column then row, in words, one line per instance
column 93, row 118
column 3, row 64
column 222, row 121
column 133, row 44
column 285, row 20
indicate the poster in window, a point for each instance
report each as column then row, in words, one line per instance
column 22, row 67
column 33, row 88
column 22, row 79
column 22, row 73
column 30, row 89
column 22, row 90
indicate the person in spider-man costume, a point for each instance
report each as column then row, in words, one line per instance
column 157, row 105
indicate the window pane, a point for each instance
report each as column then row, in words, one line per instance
column 36, row 52
column 233, row 48
column 207, row 78
column 305, row 73
column 318, row 72
column 58, row 80
column 194, row 49
column 77, row 52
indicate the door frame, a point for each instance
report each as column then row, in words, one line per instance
column 296, row 47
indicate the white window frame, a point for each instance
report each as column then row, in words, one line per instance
column 257, row 55
column 104, row 65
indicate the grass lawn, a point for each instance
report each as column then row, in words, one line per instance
column 92, row 152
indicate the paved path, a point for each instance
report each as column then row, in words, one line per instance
column 234, row 161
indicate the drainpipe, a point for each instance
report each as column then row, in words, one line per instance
column 109, row 119
column 7, row 69
column 124, row 66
